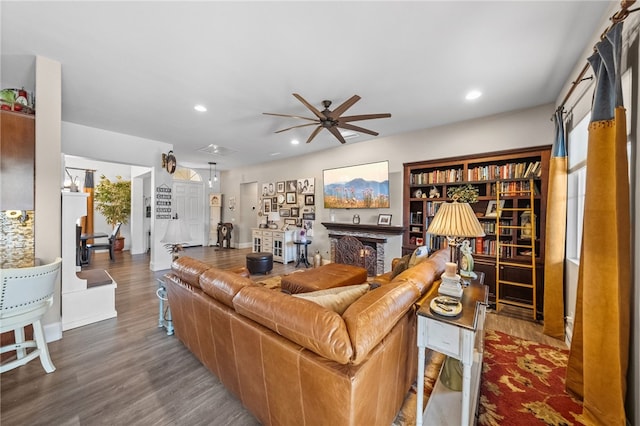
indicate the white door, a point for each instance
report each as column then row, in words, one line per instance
column 189, row 205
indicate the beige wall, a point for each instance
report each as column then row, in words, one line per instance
column 516, row 129
column 48, row 201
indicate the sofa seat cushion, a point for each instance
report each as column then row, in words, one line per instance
column 301, row 321
column 327, row 276
column 336, row 299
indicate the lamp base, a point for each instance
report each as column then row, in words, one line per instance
column 450, row 286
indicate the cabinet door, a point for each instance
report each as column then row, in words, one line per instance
column 256, row 236
column 17, row 161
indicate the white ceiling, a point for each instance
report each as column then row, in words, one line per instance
column 140, row 67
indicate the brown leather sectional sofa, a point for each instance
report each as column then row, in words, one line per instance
column 293, row 362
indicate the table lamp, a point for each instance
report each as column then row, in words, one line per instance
column 456, row 221
column 177, row 234
column 273, row 218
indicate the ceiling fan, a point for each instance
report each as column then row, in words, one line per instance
column 332, row 120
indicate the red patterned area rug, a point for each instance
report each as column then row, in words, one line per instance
column 523, row 384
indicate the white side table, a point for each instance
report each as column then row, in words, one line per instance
column 164, row 321
column 460, row 337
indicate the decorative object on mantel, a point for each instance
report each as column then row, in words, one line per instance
column 454, row 221
column 384, row 219
column 356, row 219
column 169, row 162
column 332, row 120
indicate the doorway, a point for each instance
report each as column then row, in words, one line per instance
column 248, row 213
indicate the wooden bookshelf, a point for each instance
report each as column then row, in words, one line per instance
column 425, row 188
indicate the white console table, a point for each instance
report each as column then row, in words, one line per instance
column 460, row 337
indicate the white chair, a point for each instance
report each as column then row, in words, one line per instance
column 25, row 295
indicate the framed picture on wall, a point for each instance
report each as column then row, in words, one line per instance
column 309, row 200
column 266, row 205
column 291, row 198
column 280, row 186
column 290, row 221
column 285, row 213
column 295, row 211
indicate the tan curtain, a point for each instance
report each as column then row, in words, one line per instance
column 598, row 360
column 556, row 228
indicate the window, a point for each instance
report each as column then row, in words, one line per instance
column 576, row 186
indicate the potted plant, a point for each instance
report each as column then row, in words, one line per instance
column 113, row 201
column 463, row 194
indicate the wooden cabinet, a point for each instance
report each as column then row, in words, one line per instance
column 427, row 183
column 17, row 160
column 279, row 243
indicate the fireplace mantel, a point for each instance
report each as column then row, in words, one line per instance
column 363, row 245
column 372, row 229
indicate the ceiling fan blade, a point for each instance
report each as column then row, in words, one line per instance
column 334, row 130
column 314, row 133
column 290, row 116
column 363, row 117
column 295, row 127
column 345, row 106
column 357, row 129
column 311, row 107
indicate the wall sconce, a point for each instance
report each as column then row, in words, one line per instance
column 169, row 162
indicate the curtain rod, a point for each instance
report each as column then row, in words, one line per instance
column 84, row 170
column 619, row 16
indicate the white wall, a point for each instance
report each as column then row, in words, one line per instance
column 516, row 129
column 106, row 146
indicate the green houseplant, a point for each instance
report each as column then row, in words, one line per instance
column 113, row 201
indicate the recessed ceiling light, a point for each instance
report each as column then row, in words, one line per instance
column 273, row 154
column 295, row 142
column 200, row 108
column 474, row 94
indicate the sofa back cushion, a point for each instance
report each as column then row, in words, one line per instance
column 370, row 318
column 336, row 299
column 223, row 285
column 189, row 269
column 301, row 321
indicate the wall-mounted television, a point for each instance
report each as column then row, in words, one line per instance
column 365, row 186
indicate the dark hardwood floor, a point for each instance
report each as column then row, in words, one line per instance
column 127, row 371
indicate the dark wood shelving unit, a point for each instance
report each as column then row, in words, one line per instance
column 425, row 187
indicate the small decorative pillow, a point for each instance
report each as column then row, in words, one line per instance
column 400, row 267
column 419, row 254
column 336, row 299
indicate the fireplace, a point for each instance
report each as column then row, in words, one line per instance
column 361, row 245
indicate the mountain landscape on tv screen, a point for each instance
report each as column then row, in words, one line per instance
column 357, row 193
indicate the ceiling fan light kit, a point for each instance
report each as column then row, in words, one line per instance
column 331, row 120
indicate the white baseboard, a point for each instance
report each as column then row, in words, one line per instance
column 52, row 332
